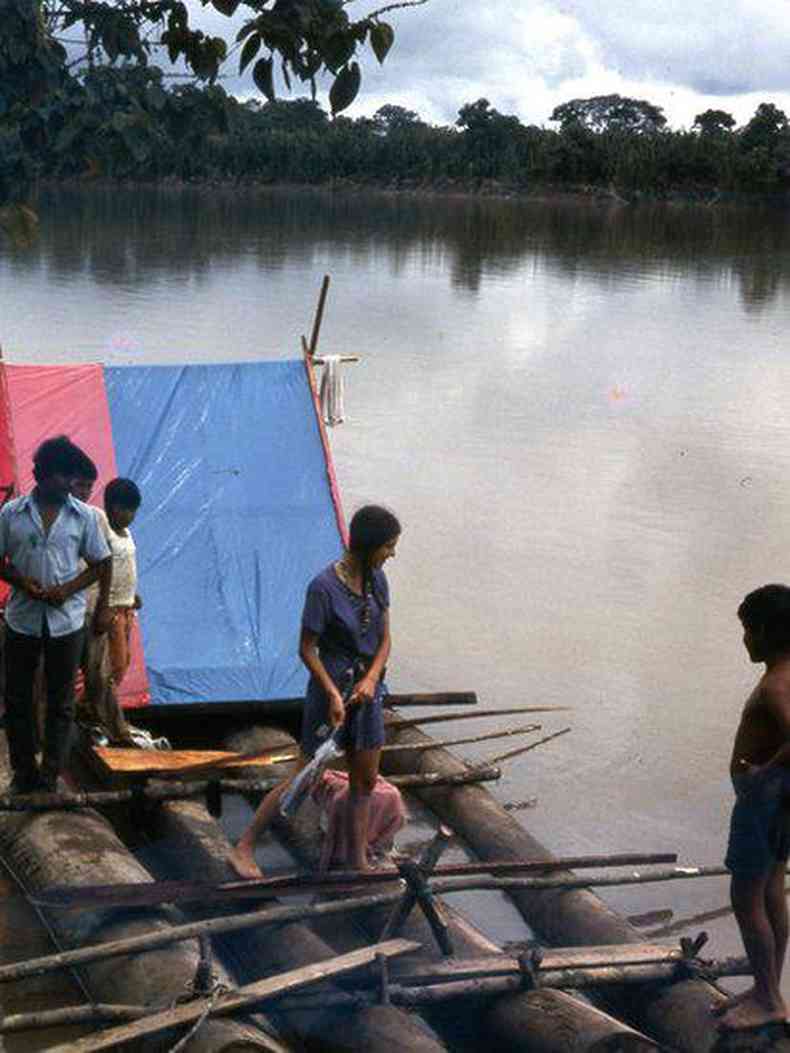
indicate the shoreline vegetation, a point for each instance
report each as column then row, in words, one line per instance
column 128, row 124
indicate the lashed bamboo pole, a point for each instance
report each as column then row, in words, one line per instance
column 46, row 802
column 157, row 892
column 397, row 723
column 230, row 1001
column 519, row 750
column 100, row 1013
column 413, row 995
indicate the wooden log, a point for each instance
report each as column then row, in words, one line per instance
column 157, row 1022
column 187, row 839
column 71, row 848
column 678, row 1016
column 301, row 836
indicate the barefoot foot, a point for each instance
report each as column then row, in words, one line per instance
column 243, row 862
column 752, row 1013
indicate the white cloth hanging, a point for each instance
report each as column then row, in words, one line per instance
column 332, row 409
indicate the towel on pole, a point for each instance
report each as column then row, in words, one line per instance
column 331, row 393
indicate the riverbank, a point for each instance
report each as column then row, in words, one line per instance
column 449, row 189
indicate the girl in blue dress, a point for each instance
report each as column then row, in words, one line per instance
column 345, row 644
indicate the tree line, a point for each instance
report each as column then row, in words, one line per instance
column 129, row 123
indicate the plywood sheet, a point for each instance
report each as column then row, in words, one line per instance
column 130, row 761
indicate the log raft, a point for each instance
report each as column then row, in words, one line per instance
column 546, row 1021
column 77, row 848
column 677, row 1014
column 191, row 841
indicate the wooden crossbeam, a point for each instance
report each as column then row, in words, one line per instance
column 294, row 980
column 552, row 960
column 153, row 893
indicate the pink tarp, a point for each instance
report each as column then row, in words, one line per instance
column 41, row 402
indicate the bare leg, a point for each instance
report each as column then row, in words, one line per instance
column 363, row 770
column 763, row 1004
column 242, row 855
column 776, row 907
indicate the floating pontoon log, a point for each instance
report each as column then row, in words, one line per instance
column 187, row 840
column 153, row 893
column 544, row 1022
column 678, row 1015
column 248, row 995
column 55, row 846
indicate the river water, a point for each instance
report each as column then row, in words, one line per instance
column 579, row 412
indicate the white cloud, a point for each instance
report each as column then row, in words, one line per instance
column 528, row 56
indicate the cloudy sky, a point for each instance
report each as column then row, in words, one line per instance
column 527, row 56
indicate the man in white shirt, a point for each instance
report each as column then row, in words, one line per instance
column 43, row 537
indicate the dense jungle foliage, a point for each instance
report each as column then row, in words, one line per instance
column 128, row 123
column 113, row 114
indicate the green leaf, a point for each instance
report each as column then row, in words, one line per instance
column 345, row 88
column 263, row 75
column 337, row 49
column 286, row 75
column 249, row 51
column 382, row 37
column 226, row 7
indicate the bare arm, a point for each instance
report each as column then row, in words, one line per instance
column 101, row 620
column 308, row 652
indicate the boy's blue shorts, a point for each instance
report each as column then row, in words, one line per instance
column 759, row 828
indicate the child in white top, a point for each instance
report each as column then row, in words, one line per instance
column 121, row 501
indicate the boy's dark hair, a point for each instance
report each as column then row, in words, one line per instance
column 85, row 467
column 122, row 493
column 58, row 456
column 767, row 610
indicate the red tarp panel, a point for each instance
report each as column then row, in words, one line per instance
column 44, row 401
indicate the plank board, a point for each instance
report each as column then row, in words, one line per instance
column 604, row 956
column 130, row 761
column 294, row 980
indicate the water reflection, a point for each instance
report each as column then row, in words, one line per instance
column 128, row 237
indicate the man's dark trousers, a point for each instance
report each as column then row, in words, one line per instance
column 61, row 659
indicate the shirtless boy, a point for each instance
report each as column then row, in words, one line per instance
column 758, row 846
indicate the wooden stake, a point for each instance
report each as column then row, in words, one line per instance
column 444, row 698
column 521, row 749
column 319, row 315
column 397, row 723
column 295, row 979
column 428, row 859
